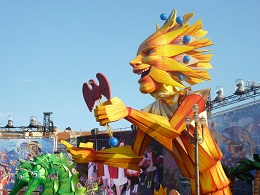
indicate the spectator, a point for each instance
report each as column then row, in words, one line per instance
column 118, row 176
column 144, row 164
column 160, row 169
column 92, row 173
column 151, row 156
column 104, row 175
column 132, row 179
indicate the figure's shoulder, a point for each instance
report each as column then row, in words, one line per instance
column 167, row 106
column 204, row 93
column 189, row 94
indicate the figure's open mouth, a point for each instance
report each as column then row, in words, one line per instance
column 144, row 72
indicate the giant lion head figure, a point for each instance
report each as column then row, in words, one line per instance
column 170, row 59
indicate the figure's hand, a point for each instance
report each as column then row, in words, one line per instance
column 110, row 111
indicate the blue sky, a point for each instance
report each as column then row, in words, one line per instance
column 48, row 49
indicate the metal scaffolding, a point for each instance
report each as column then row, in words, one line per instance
column 34, row 127
column 251, row 90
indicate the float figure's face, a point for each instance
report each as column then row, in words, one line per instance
column 142, row 65
column 160, row 58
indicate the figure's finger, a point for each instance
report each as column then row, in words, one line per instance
column 104, row 122
column 98, row 112
column 102, row 117
column 108, row 102
column 101, row 124
column 99, row 107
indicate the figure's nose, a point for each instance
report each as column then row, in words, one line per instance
column 136, row 61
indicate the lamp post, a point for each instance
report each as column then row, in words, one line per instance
column 196, row 140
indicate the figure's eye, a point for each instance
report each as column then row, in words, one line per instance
column 20, row 176
column 34, row 174
column 150, row 52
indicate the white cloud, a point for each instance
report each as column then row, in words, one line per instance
column 43, row 80
column 25, row 80
column 59, row 96
column 4, row 115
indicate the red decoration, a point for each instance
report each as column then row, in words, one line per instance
column 92, row 92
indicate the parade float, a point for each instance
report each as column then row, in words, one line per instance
column 54, row 172
column 14, row 149
column 169, row 62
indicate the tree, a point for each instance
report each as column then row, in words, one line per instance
column 241, row 172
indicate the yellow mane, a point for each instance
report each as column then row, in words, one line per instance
column 170, row 48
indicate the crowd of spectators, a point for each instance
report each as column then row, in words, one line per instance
column 121, row 181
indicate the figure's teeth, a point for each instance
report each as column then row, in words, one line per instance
column 142, row 71
column 145, row 69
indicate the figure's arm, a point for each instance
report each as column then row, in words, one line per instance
column 158, row 127
column 114, row 110
column 151, row 122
